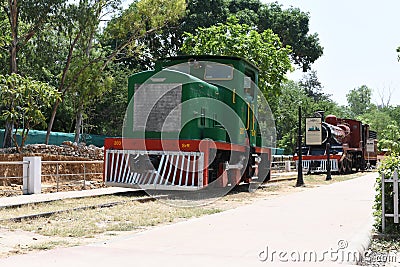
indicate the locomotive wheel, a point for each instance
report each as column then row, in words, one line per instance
column 342, row 167
column 348, row 170
column 350, row 167
column 347, row 166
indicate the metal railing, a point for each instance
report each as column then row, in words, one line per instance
column 81, row 174
column 283, row 166
column 177, row 170
column 11, row 179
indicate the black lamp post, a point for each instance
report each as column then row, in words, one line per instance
column 328, row 162
column 300, row 181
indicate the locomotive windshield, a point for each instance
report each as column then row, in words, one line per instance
column 218, row 72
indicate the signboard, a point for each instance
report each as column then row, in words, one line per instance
column 156, row 107
column 313, row 131
column 370, row 145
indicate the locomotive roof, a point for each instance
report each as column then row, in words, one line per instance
column 210, row 57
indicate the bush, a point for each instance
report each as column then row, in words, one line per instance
column 389, row 165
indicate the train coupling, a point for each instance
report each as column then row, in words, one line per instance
column 228, row 166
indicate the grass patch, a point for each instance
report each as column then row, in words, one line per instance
column 126, row 217
column 51, row 245
column 7, row 213
column 320, row 179
column 385, row 244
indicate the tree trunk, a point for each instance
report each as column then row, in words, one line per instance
column 7, row 141
column 13, row 6
column 78, row 124
column 13, row 18
column 51, row 122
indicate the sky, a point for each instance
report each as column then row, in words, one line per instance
column 360, row 40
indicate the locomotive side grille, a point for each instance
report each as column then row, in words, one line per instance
column 372, row 135
column 173, row 170
column 153, row 104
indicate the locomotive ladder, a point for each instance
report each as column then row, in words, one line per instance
column 175, row 170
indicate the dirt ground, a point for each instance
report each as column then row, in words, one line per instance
column 51, row 182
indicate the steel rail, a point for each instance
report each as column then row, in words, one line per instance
column 97, row 206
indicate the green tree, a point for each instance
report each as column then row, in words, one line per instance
column 86, row 53
column 286, row 113
column 246, row 11
column 107, row 113
column 390, row 138
column 4, row 39
column 394, row 113
column 25, row 19
column 25, row 100
column 292, row 26
column 359, row 100
column 144, row 31
column 313, row 86
column 232, row 39
column 377, row 119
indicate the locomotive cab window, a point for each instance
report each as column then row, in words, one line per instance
column 218, row 72
column 248, row 90
column 248, row 86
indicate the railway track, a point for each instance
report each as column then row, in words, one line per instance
column 142, row 199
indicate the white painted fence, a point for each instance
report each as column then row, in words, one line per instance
column 395, row 214
column 32, row 172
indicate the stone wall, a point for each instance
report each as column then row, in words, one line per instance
column 66, row 149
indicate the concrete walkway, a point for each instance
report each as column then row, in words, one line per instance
column 38, row 198
column 322, row 226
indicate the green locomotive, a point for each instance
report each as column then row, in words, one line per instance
column 192, row 123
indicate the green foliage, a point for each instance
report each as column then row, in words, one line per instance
column 107, row 113
column 377, row 119
column 4, row 37
column 387, row 169
column 140, row 27
column 385, row 121
column 231, row 39
column 359, row 100
column 286, row 112
column 143, row 16
column 24, row 100
column 313, row 86
column 21, row 20
column 390, row 138
column 67, row 45
column 292, row 27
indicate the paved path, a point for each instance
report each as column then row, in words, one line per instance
column 37, row 198
column 322, row 223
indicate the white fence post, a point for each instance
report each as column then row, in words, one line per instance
column 395, row 194
column 383, row 204
column 32, row 176
column 287, row 166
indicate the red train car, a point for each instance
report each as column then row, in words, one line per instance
column 352, row 147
